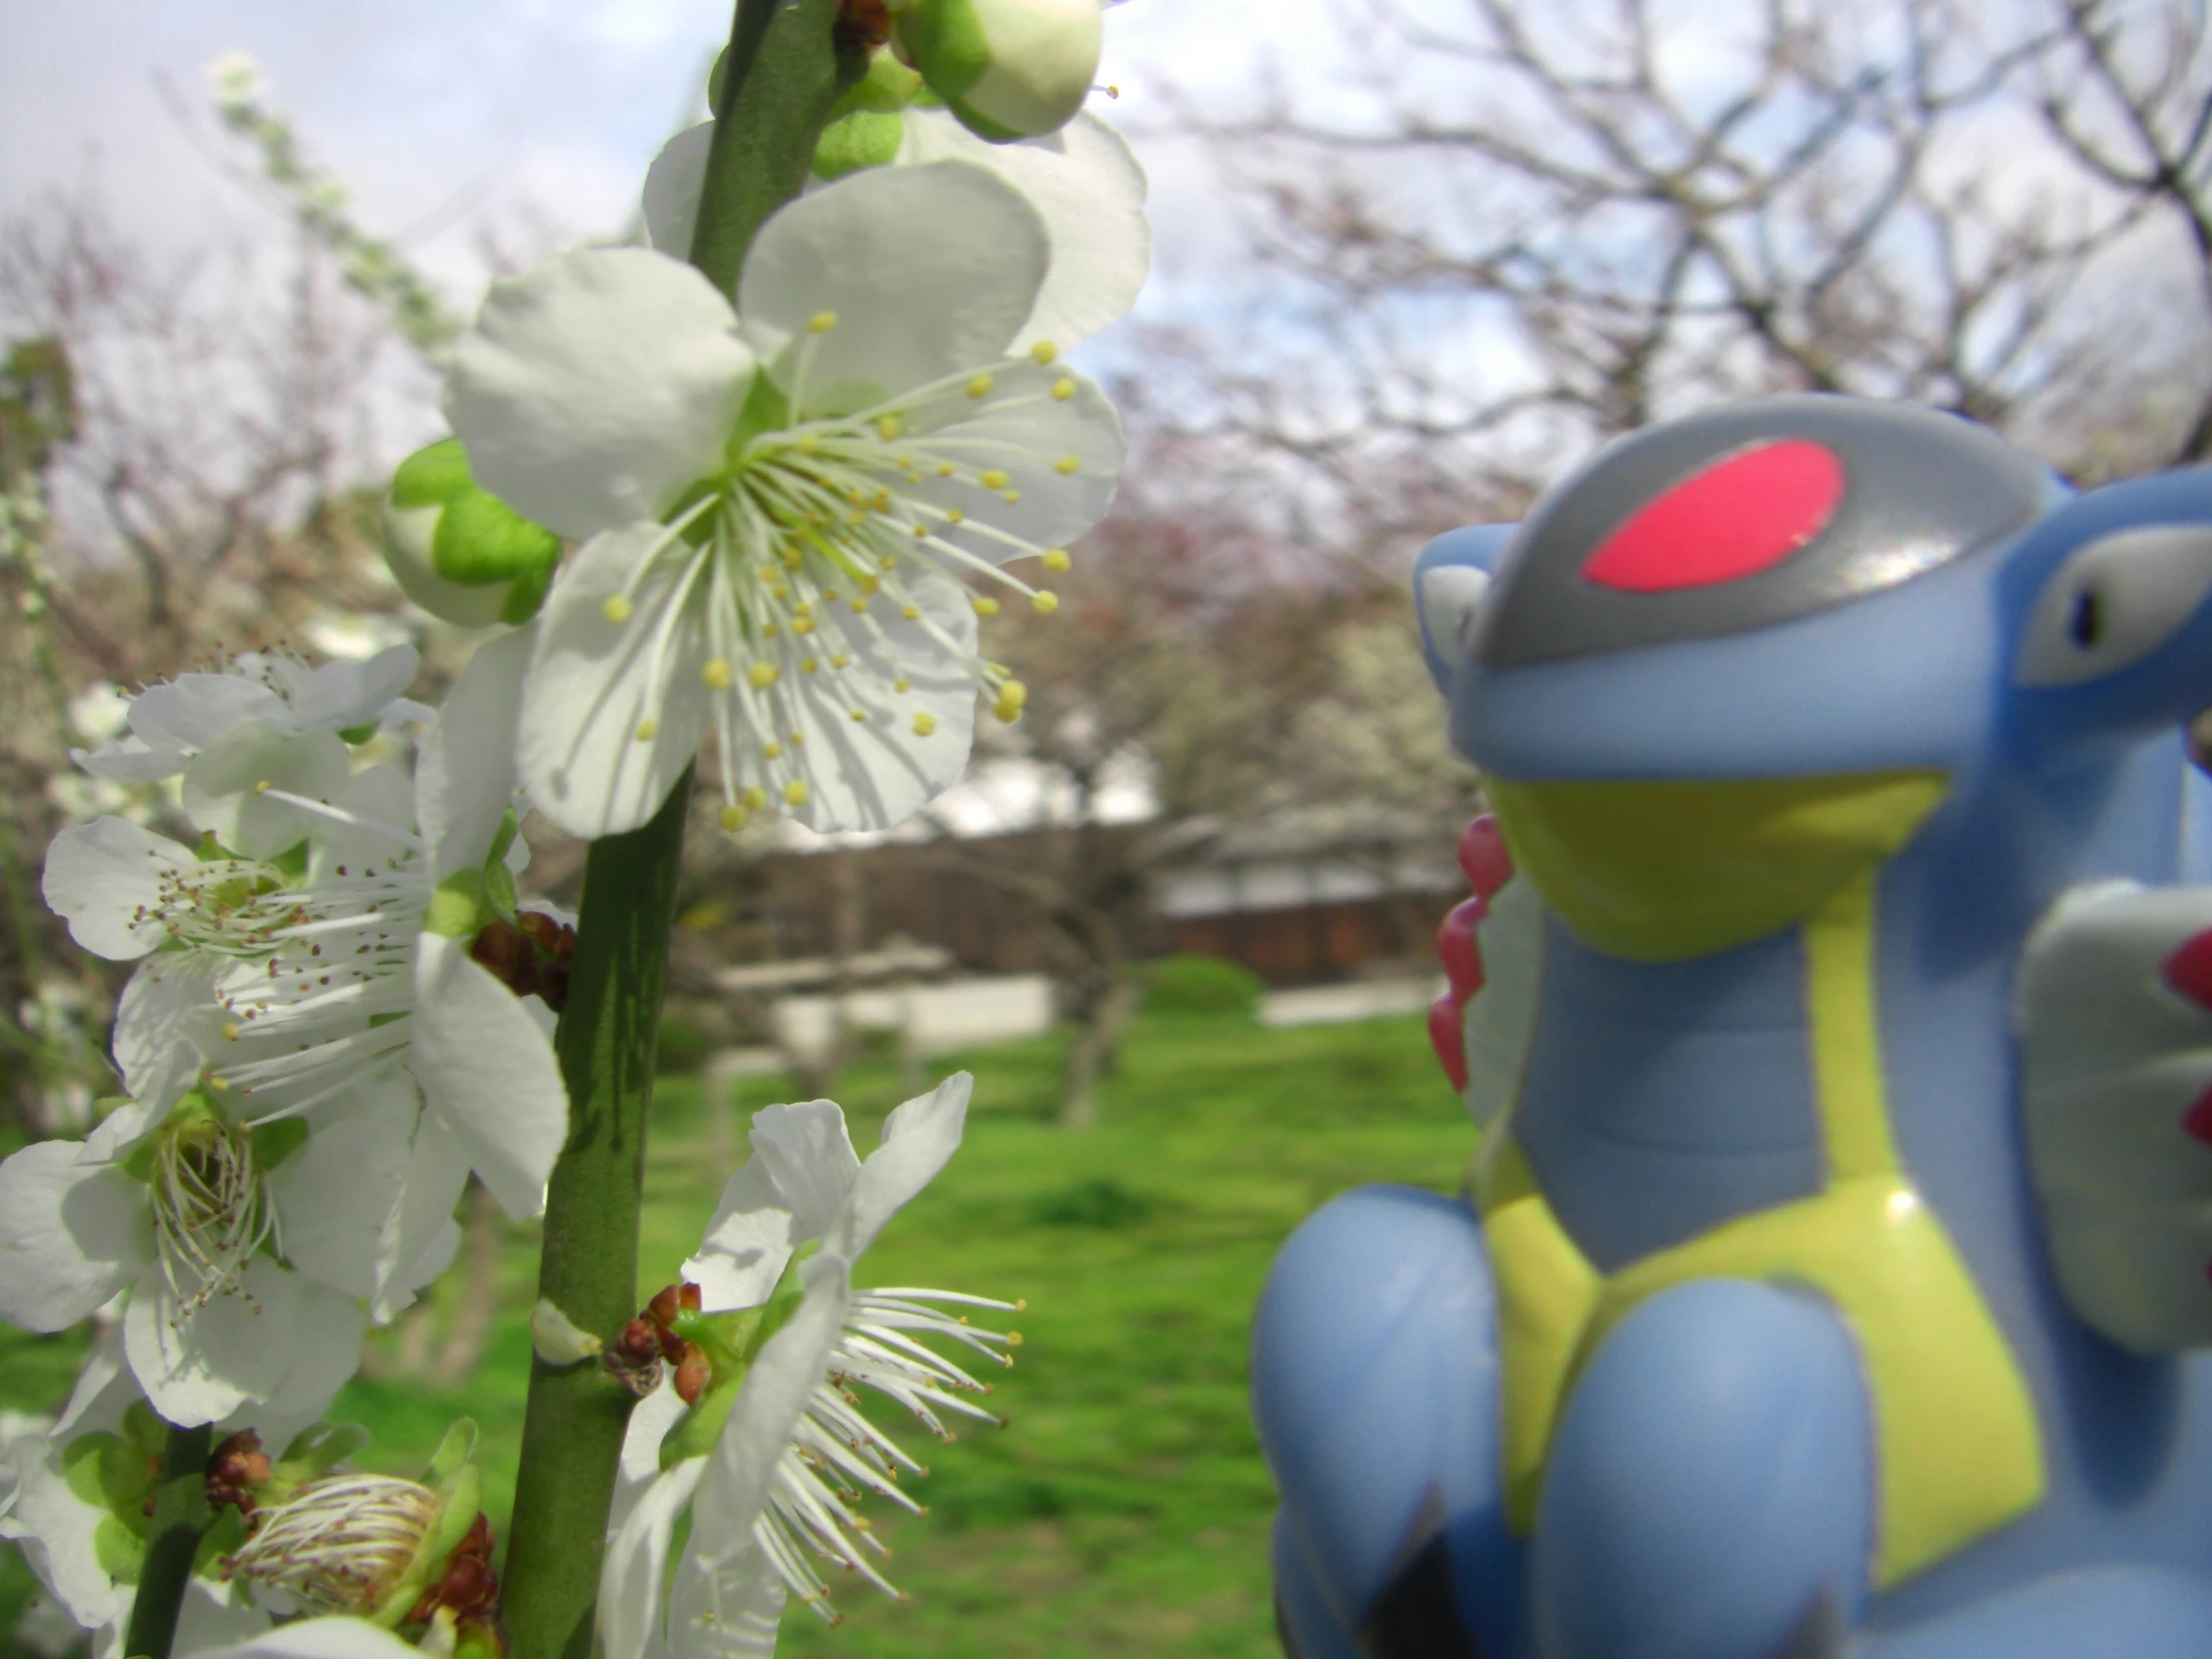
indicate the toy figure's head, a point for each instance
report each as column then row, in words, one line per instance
column 1735, row 657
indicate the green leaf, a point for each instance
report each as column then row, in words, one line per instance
column 120, row 1551
column 453, row 1453
column 863, row 138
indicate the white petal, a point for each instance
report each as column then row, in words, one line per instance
column 636, row 1567
column 325, row 1353
column 488, row 1073
column 593, row 683
column 333, row 1197
column 102, row 877
column 132, row 760
column 1025, row 431
column 918, row 1138
column 808, row 1153
column 873, row 774
column 749, row 1243
column 727, row 1610
column 421, row 1228
column 71, row 1235
column 344, row 695
column 596, row 385
column 200, row 1365
column 672, row 187
column 211, row 1620
column 194, row 710
column 105, row 1391
column 1087, row 184
column 329, row 1638
column 381, row 796
column 164, row 1008
column 55, row 1529
column 650, row 1423
column 773, row 1392
column 928, row 269
column 465, row 770
column 223, row 787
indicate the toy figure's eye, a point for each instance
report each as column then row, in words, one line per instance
column 2114, row 602
column 1450, row 598
column 1742, row 515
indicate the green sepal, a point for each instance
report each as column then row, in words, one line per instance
column 433, row 475
column 461, row 905
column 452, row 1455
column 766, row 410
column 223, row 1537
column 120, row 1551
column 945, row 40
column 274, row 1142
column 502, row 838
column 482, row 540
column 312, row 1452
column 460, row 1486
column 358, row 734
column 526, row 595
column 862, row 140
column 293, row 862
column 731, row 1341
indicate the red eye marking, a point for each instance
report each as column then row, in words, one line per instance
column 1734, row 518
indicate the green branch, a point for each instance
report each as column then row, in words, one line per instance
column 180, row 1518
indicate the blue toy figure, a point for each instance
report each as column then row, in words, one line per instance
column 1832, row 1279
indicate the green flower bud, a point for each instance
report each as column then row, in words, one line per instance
column 1008, row 68
column 868, row 125
column 458, row 551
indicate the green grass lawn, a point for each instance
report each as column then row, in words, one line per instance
column 1124, row 1507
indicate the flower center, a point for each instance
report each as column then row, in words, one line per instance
column 340, row 1544
column 212, row 1211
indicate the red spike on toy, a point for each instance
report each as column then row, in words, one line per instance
column 1449, row 1037
column 1482, row 855
column 1461, row 951
column 2189, row 969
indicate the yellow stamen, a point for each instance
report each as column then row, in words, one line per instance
column 993, row 479
column 822, row 322
column 1057, row 559
column 1012, row 496
column 795, row 793
column 1013, row 696
column 802, row 625
column 648, row 729
column 1044, row 601
column 808, row 666
column 910, row 612
column 924, row 724
column 717, row 675
column 617, row 608
column 985, row 605
column 859, row 716
column 1063, row 389
column 763, row 676
column 1044, row 352
column 733, row 818
column 774, row 751
column 1067, row 467
column 981, row 385
column 756, row 798
column 887, row 428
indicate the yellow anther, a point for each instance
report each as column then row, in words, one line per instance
column 1012, row 496
column 774, row 751
column 802, row 625
column 922, row 532
column 791, row 557
column 860, row 603
column 1063, row 389
column 839, row 660
column 617, row 608
column 946, row 469
column 856, row 517
column 798, row 740
column 221, row 1084
column 888, row 562
column 985, row 605
column 733, row 818
column 1013, row 696
column 859, row 716
column 768, row 630
column 763, row 675
column 903, row 684
column 648, row 729
column 1067, row 467
column 810, row 443
column 262, row 788
column 1056, row 558
column 795, row 793
column 993, row 479
column 910, row 612
column 924, row 724
column 1044, row 352
column 808, row 666
column 1044, row 601
column 829, row 595
column 822, row 322
column 979, row 386
column 232, row 1031
column 754, row 798
column 887, row 428
column 870, row 584
column 954, row 515
column 882, row 501
column 717, row 674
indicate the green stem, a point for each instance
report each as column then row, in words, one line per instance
column 573, row 1424
column 786, row 73
column 180, row 1518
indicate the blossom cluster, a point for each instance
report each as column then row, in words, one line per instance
column 766, row 524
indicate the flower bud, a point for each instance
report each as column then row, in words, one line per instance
column 868, row 124
column 458, row 551
column 1008, row 68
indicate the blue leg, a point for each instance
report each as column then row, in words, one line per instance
column 1375, row 1390
column 1308, row 1629
column 2136, row 1611
column 1710, row 1489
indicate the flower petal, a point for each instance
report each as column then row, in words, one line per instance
column 672, row 187
column 1038, row 421
column 729, row 1610
column 383, row 798
column 736, row 1487
column 56, row 1530
column 465, row 768
column 808, row 1153
column 200, row 1365
column 222, row 787
column 418, row 1236
column 488, row 1073
column 1087, row 185
column 596, row 385
column 749, row 1243
column 919, row 1139
column 343, row 695
column 325, row 1353
column 869, row 774
column 926, row 270
column 334, row 1194
column 194, row 710
column 71, row 1234
column 636, row 1567
column 104, row 879
column 167, row 1004
column 594, row 684
column 327, row 1638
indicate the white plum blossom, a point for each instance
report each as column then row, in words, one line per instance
column 769, row 1491
column 782, row 503
column 300, row 990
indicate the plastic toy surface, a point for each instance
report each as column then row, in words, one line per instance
column 1832, row 1275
